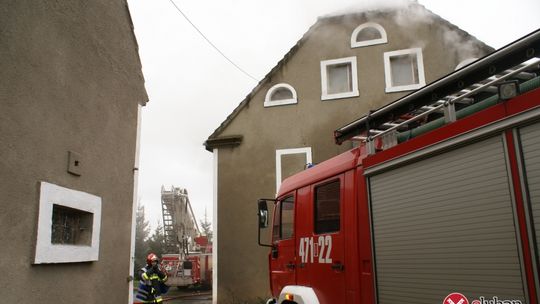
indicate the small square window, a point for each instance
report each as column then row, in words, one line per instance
column 404, row 70
column 339, row 78
column 68, row 226
column 71, row 226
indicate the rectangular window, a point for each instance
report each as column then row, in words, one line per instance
column 68, row 227
column 291, row 161
column 338, row 78
column 71, row 226
column 327, row 208
column 404, row 70
column 284, row 220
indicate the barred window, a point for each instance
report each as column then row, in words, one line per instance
column 71, row 226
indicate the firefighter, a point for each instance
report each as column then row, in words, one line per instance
column 152, row 279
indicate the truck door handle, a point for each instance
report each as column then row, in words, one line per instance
column 290, row 266
column 338, row 266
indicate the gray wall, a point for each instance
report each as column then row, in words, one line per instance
column 70, row 79
column 247, row 172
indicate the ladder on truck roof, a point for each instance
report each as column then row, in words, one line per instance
column 179, row 223
column 461, row 93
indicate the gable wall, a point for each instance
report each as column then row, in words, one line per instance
column 247, row 172
column 70, row 81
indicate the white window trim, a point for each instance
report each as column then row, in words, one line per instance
column 324, row 78
column 383, row 39
column 465, row 62
column 46, row 252
column 272, row 103
column 281, row 152
column 388, row 74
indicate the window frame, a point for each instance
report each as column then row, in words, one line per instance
column 48, row 252
column 315, row 187
column 363, row 43
column 388, row 70
column 281, row 152
column 272, row 103
column 324, row 78
column 280, row 206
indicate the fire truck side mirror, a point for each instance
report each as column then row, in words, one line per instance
column 263, row 217
column 263, row 214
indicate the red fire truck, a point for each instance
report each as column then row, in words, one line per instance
column 438, row 203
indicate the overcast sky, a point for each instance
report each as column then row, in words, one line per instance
column 192, row 88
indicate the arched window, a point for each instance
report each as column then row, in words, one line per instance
column 280, row 94
column 465, row 62
column 369, row 33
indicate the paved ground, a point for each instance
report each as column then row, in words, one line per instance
column 175, row 296
column 188, row 297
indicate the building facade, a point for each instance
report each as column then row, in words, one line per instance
column 71, row 92
column 342, row 67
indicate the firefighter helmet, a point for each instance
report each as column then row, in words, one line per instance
column 150, row 258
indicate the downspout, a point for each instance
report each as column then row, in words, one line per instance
column 134, row 206
column 477, row 107
column 215, row 234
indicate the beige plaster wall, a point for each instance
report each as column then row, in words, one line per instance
column 247, row 172
column 70, row 79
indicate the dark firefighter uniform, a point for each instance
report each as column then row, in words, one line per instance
column 151, row 284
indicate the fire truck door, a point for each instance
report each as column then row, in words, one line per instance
column 282, row 257
column 320, row 244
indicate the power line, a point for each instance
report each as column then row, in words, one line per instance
column 210, row 42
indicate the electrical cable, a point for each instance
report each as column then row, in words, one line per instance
column 210, row 42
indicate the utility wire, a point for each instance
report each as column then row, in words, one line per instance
column 210, row 42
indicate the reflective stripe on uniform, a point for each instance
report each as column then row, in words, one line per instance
column 142, row 291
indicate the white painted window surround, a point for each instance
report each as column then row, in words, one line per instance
column 415, row 67
column 46, row 252
column 368, row 26
column 281, row 152
column 271, row 101
column 339, row 78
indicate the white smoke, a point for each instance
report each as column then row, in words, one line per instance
column 372, row 5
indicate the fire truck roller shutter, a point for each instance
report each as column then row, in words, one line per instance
column 530, row 142
column 445, row 224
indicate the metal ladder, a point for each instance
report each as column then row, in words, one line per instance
column 446, row 106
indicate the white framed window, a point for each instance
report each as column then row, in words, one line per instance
column 369, row 33
column 465, row 62
column 69, row 225
column 339, row 78
column 280, row 94
column 289, row 168
column 404, row 70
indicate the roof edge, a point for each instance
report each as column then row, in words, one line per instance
column 224, row 141
column 320, row 20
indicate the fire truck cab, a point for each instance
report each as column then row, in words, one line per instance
column 440, row 200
